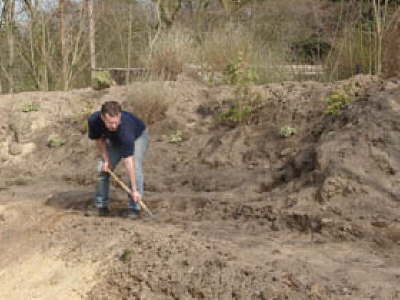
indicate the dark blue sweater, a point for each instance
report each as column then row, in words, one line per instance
column 128, row 131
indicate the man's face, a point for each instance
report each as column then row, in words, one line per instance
column 111, row 122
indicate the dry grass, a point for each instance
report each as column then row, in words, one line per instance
column 354, row 52
column 169, row 53
column 214, row 51
column 147, row 103
column 221, row 47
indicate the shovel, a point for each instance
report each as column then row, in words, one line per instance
column 128, row 190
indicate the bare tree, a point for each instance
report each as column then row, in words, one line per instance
column 381, row 21
column 391, row 47
column 62, row 41
column 92, row 39
column 76, row 47
column 9, row 20
column 32, row 46
column 129, row 50
column 44, row 56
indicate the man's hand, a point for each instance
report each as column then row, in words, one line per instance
column 136, row 196
column 102, row 147
column 106, row 166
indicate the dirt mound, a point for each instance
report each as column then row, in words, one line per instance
column 243, row 210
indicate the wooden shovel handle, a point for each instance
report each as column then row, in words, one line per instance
column 128, row 190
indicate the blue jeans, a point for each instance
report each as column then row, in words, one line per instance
column 114, row 153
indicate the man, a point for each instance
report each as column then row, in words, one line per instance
column 118, row 135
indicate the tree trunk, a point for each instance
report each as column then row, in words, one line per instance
column 1, row 87
column 44, row 86
column 92, row 39
column 380, row 14
column 391, row 47
column 76, row 52
column 62, row 40
column 32, row 47
column 9, row 8
column 127, row 79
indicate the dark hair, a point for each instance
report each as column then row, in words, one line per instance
column 112, row 108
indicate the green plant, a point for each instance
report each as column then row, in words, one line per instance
column 176, row 137
column 336, row 101
column 287, row 131
column 29, row 107
column 126, row 255
column 242, row 76
column 54, row 141
column 239, row 72
column 235, row 114
column 102, row 80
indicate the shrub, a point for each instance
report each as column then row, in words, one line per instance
column 102, row 80
column 242, row 76
column 169, row 53
column 235, row 115
column 148, row 103
column 29, row 107
column 239, row 72
column 220, row 48
column 310, row 50
column 336, row 101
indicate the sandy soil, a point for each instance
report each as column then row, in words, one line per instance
column 240, row 212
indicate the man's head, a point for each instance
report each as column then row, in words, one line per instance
column 111, row 114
